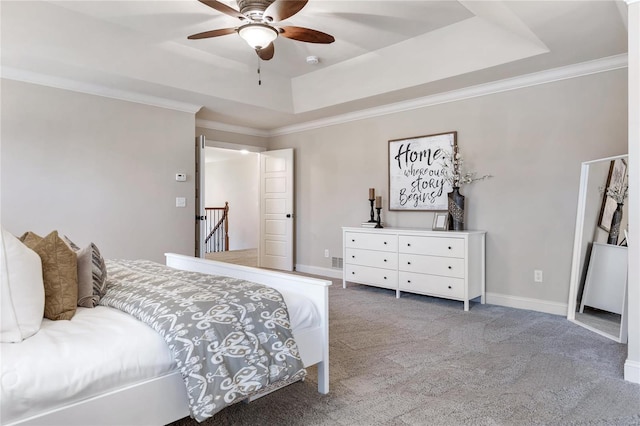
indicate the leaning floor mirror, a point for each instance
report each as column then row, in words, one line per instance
column 598, row 287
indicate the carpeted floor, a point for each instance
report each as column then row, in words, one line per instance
column 424, row 361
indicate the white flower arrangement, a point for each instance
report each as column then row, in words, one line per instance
column 454, row 171
column 619, row 192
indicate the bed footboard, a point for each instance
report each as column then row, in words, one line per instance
column 313, row 344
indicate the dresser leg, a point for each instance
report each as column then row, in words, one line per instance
column 466, row 305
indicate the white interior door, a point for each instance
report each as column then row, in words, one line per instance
column 201, row 224
column 276, row 210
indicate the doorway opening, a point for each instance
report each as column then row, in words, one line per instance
column 232, row 176
column 261, row 185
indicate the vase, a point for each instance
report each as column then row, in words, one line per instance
column 614, row 229
column 456, row 210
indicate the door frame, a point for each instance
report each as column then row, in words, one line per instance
column 200, row 213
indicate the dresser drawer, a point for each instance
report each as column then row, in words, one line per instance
column 435, row 285
column 377, row 259
column 432, row 246
column 380, row 242
column 434, row 265
column 372, row 276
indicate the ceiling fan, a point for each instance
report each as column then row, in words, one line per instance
column 257, row 30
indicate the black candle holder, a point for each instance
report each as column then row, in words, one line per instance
column 372, row 220
column 378, row 222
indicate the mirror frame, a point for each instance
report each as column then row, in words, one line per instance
column 576, row 267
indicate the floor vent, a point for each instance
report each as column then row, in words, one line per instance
column 336, row 262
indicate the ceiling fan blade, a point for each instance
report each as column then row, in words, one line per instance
column 221, row 7
column 280, row 10
column 306, row 35
column 266, row 53
column 212, row 33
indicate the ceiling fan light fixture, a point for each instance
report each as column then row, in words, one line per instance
column 258, row 35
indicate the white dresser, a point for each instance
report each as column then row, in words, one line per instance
column 449, row 264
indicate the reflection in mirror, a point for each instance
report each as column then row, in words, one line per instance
column 598, row 288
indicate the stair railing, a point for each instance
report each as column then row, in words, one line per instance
column 218, row 221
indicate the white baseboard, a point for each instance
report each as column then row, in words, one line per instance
column 527, row 303
column 632, row 371
column 317, row 270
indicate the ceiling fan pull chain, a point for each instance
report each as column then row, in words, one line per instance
column 259, row 76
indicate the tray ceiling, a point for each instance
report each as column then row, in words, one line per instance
column 385, row 51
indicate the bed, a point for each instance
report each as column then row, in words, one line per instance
column 152, row 391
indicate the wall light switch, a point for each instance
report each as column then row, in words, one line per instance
column 181, row 202
column 181, row 177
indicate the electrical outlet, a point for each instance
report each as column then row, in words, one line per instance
column 537, row 275
column 326, row 252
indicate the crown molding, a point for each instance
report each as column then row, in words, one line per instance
column 223, row 127
column 17, row 74
column 632, row 1
column 548, row 76
column 543, row 77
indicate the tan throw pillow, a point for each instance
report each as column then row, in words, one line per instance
column 30, row 239
column 60, row 274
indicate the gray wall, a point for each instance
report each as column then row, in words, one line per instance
column 103, row 170
column 532, row 140
column 98, row 170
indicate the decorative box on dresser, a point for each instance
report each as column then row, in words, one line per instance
column 448, row 264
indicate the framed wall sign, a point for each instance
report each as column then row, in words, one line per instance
column 416, row 180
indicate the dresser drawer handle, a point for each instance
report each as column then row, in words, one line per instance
column 385, row 260
column 385, row 278
column 408, row 263
column 449, row 267
column 385, row 243
column 449, row 287
column 353, row 257
column 408, row 244
column 449, row 247
column 353, row 273
column 353, row 241
column 409, row 281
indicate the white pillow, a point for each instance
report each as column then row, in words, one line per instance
column 21, row 290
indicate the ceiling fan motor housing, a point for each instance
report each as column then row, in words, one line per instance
column 253, row 8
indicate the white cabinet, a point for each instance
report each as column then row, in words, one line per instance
column 606, row 283
column 435, row 263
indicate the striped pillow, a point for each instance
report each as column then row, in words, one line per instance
column 92, row 274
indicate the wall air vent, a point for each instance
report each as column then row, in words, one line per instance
column 336, row 262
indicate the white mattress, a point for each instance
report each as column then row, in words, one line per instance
column 99, row 350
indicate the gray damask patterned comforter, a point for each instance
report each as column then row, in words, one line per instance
column 230, row 338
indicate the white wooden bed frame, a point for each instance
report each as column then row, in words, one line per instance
column 162, row 400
